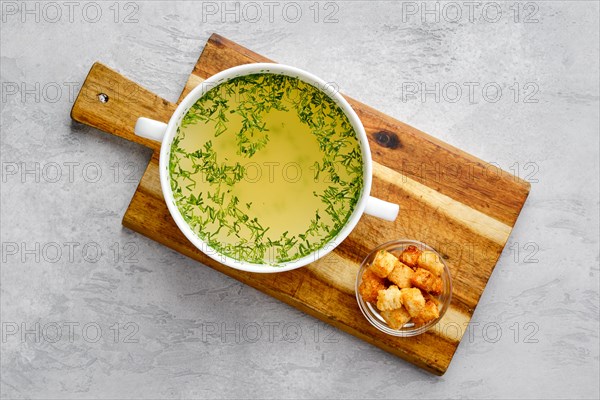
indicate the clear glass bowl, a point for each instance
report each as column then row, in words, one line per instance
column 370, row 311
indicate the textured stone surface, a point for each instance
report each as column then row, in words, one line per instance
column 535, row 332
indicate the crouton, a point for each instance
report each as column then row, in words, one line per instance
column 425, row 280
column 383, row 263
column 429, row 297
column 413, row 300
column 389, row 299
column 427, row 314
column 401, row 275
column 396, row 318
column 370, row 286
column 431, row 262
column 410, row 255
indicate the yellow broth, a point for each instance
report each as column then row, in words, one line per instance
column 266, row 168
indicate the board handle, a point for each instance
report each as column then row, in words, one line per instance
column 113, row 103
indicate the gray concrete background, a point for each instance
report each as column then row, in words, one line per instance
column 535, row 331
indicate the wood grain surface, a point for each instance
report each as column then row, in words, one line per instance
column 453, row 201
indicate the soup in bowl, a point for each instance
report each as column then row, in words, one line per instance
column 265, row 167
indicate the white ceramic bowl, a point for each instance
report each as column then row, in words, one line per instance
column 165, row 133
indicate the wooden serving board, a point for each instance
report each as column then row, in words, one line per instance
column 456, row 203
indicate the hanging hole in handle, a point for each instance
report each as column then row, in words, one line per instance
column 102, row 97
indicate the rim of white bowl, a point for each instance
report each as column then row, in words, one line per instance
column 222, row 77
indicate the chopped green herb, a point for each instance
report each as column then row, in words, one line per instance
column 221, row 188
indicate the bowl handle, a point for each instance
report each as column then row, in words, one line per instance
column 150, row 129
column 382, row 209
